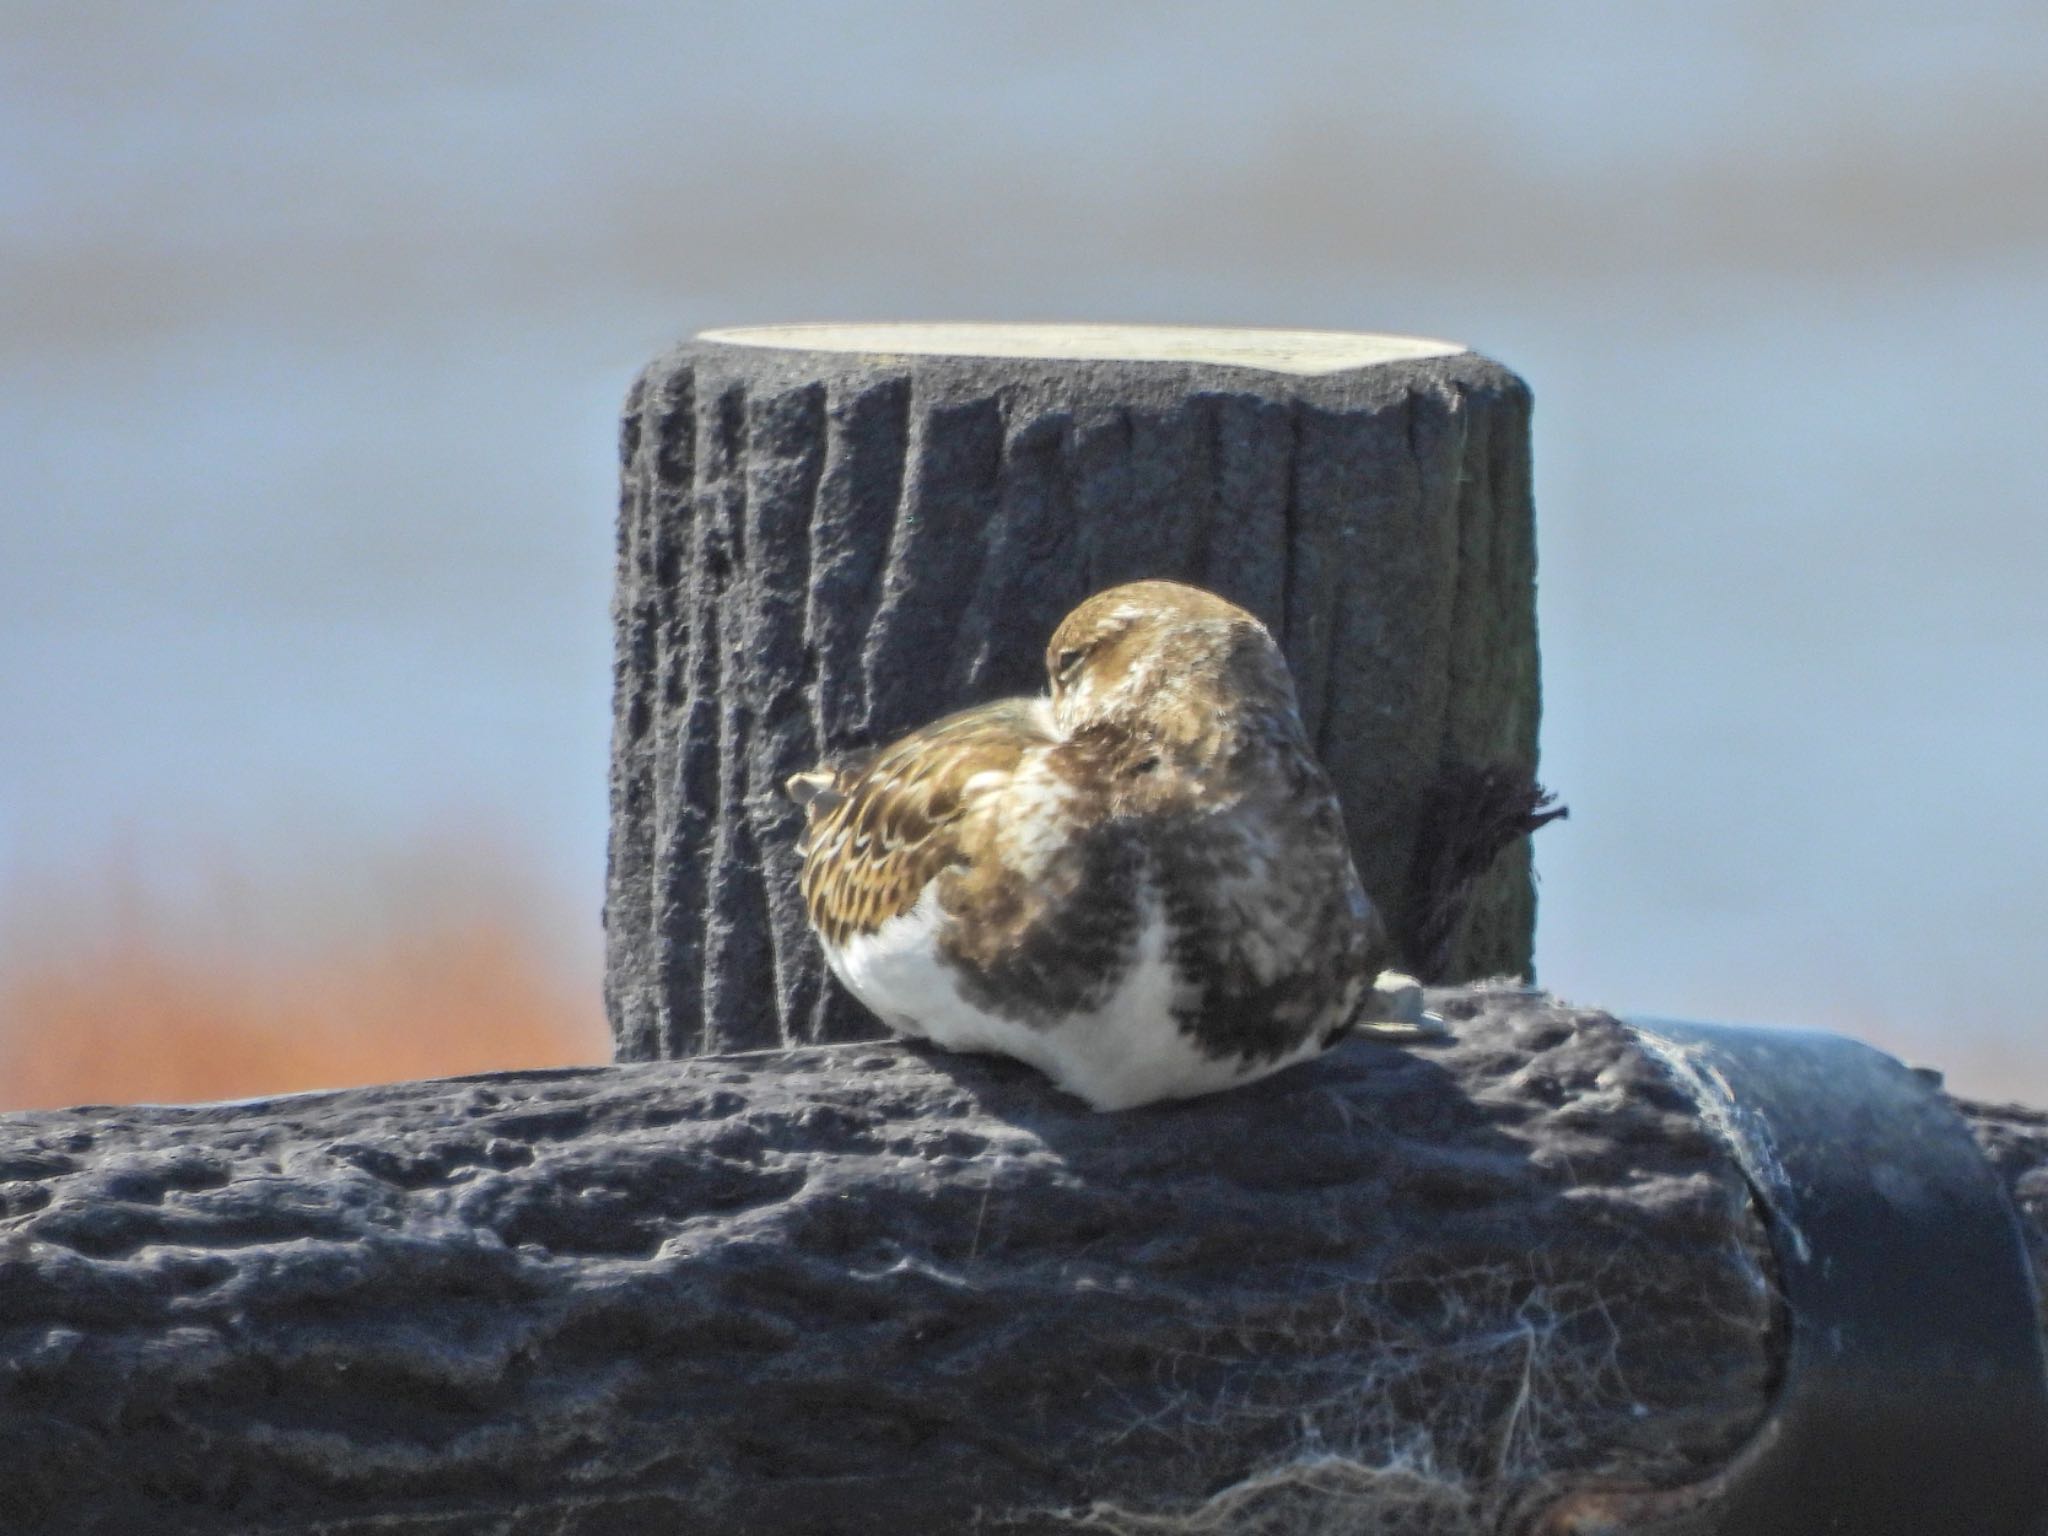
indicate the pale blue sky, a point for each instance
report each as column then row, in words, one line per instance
column 314, row 322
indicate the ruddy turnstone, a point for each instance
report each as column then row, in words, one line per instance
column 1139, row 885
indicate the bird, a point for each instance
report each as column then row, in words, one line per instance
column 1138, row 882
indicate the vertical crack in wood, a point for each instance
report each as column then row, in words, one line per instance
column 1204, row 483
column 784, row 463
column 1437, row 473
column 904, row 536
column 1462, row 748
column 1326, row 706
column 737, row 974
column 859, row 498
column 677, row 918
column 1290, row 524
column 1248, row 547
column 690, row 786
column 1033, row 575
column 968, row 667
column 1321, row 521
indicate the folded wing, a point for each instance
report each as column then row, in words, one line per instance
column 878, row 830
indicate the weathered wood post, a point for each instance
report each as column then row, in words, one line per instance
column 831, row 534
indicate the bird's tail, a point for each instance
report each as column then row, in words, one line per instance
column 1471, row 815
column 816, row 791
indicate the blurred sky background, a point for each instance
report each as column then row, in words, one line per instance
column 317, row 320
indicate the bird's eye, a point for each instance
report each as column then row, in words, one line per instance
column 1066, row 664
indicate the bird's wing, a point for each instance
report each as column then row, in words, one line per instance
column 879, row 830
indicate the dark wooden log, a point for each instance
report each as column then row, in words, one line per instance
column 827, row 538
column 863, row 1288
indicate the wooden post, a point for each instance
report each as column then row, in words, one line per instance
column 861, row 1290
column 829, row 535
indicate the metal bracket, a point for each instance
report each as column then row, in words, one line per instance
column 1915, row 1396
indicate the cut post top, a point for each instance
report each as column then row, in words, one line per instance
column 1276, row 351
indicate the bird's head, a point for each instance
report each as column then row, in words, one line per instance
column 1170, row 658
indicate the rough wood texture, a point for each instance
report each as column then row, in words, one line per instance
column 820, row 550
column 860, row 1288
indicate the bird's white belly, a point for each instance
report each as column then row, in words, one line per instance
column 1127, row 1052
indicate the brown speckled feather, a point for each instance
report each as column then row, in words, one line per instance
column 880, row 830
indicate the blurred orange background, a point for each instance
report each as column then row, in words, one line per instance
column 112, row 992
